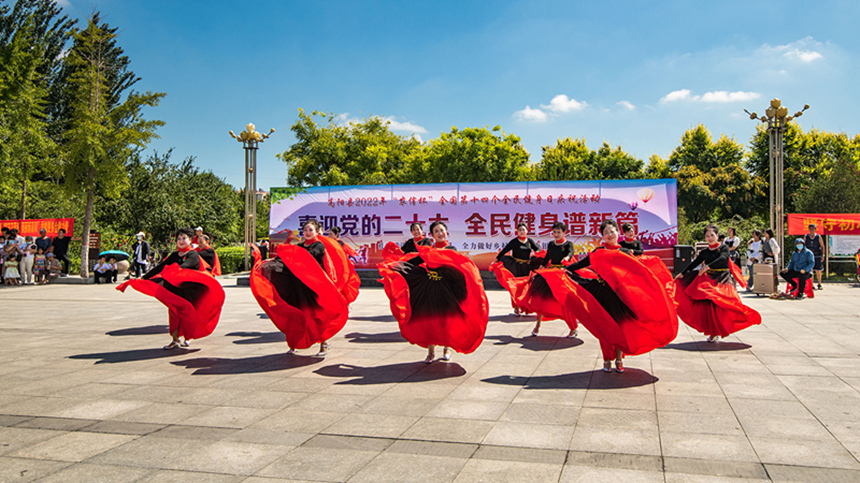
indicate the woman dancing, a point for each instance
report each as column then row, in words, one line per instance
column 298, row 293
column 437, row 297
column 418, row 239
column 192, row 296
column 516, row 265
column 624, row 307
column 706, row 298
column 537, row 296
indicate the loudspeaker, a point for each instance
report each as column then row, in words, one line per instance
column 683, row 255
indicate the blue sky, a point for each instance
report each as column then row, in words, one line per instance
column 632, row 73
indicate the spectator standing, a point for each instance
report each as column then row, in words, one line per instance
column 43, row 241
column 60, row 249
column 734, row 243
column 139, row 255
column 264, row 248
column 26, row 265
column 39, row 265
column 799, row 269
column 195, row 240
column 812, row 241
column 11, row 275
column 753, row 256
column 769, row 247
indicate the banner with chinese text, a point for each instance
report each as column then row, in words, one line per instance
column 828, row 223
column 481, row 217
column 32, row 227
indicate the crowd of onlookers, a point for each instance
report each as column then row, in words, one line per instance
column 29, row 261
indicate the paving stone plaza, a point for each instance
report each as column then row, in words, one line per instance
column 87, row 394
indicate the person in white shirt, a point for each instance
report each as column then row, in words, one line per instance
column 28, row 256
column 753, row 256
column 105, row 270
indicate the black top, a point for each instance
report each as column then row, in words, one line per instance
column 519, row 249
column 814, row 244
column 317, row 250
column 190, row 260
column 409, row 246
column 586, row 262
column 556, row 253
column 634, row 246
column 208, row 256
column 61, row 246
column 716, row 259
column 43, row 243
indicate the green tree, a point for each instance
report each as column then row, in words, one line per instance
column 326, row 153
column 836, row 190
column 712, row 182
column 571, row 159
column 472, row 155
column 806, row 156
column 103, row 130
column 658, row 168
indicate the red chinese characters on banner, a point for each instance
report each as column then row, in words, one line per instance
column 827, row 223
column 32, row 227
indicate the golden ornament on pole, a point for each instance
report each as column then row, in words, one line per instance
column 250, row 139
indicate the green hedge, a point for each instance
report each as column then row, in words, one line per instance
column 232, row 259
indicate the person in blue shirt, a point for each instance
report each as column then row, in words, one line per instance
column 799, row 269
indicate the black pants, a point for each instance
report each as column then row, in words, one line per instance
column 793, row 277
column 107, row 276
column 64, row 259
column 138, row 268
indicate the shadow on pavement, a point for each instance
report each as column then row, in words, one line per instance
column 579, row 380
column 360, row 338
column 248, row 365
column 373, row 318
column 257, row 337
column 537, row 344
column 702, row 346
column 134, row 355
column 148, row 330
column 510, row 319
column 263, row 316
column 393, row 373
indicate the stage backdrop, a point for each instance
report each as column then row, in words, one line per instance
column 481, row 217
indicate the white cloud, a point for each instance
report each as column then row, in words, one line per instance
column 803, row 55
column 404, row 126
column 561, row 103
column 63, row 3
column 723, row 96
column 676, row 96
column 626, row 105
column 709, row 97
column 529, row 114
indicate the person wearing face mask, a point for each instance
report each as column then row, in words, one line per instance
column 437, row 297
column 139, row 253
column 624, row 307
column 799, row 268
column 534, row 295
column 193, row 297
column 297, row 289
column 705, row 295
column 516, row 265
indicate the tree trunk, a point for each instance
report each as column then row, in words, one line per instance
column 85, row 229
column 24, row 197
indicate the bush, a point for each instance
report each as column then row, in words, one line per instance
column 232, row 259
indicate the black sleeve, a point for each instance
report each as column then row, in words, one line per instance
column 425, row 242
column 451, row 247
column 409, row 246
column 534, row 246
column 208, row 256
column 192, row 261
column 637, row 249
column 507, row 248
column 723, row 259
column 317, row 250
column 585, row 262
column 172, row 258
column 695, row 263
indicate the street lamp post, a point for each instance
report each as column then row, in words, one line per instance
column 776, row 117
column 250, row 139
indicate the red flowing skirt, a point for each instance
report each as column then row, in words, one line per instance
column 625, row 308
column 298, row 296
column 536, row 295
column 193, row 299
column 711, row 305
column 343, row 271
column 437, row 298
column 509, row 282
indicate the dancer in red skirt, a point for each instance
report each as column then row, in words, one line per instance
column 624, row 307
column 707, row 299
column 193, row 297
column 208, row 256
column 518, row 264
column 437, row 297
column 657, row 267
column 296, row 289
column 537, row 296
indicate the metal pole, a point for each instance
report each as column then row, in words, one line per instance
column 247, row 164
column 253, row 195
